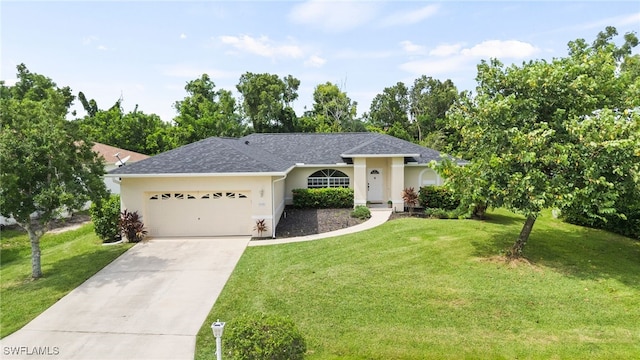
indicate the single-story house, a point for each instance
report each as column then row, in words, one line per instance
column 113, row 158
column 222, row 186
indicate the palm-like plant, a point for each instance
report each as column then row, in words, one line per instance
column 410, row 197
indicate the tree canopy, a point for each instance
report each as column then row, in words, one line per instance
column 46, row 169
column 267, row 101
column 529, row 133
column 206, row 112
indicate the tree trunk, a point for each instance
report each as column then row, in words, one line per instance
column 34, row 236
column 518, row 247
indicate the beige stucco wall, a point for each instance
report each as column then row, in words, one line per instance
column 279, row 189
column 134, row 190
column 419, row 176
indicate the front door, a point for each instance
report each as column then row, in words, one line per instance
column 374, row 186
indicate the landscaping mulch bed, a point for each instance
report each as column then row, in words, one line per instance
column 300, row 222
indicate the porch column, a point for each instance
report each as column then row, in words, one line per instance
column 397, row 183
column 359, row 181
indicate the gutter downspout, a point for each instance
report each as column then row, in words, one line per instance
column 273, row 205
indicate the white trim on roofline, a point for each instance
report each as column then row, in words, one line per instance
column 169, row 175
column 303, row 165
column 378, row 155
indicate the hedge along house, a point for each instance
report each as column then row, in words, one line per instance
column 222, row 186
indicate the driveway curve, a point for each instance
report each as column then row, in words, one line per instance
column 147, row 304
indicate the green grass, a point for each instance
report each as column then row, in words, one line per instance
column 439, row 289
column 68, row 259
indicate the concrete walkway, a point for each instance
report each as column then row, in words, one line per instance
column 147, row 304
column 378, row 217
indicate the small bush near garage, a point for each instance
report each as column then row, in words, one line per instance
column 262, row 336
column 361, row 212
column 324, row 198
column 105, row 216
column 437, row 197
column 132, row 226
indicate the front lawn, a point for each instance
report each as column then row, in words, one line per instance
column 439, row 289
column 68, row 259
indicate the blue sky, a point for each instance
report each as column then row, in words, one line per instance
column 147, row 51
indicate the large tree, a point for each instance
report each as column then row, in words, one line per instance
column 267, row 101
column 429, row 100
column 45, row 168
column 333, row 111
column 529, row 133
column 390, row 107
column 206, row 112
column 135, row 130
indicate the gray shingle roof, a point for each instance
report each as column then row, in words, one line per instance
column 264, row 153
column 211, row 155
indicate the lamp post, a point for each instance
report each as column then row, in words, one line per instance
column 218, row 328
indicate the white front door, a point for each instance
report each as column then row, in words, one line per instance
column 374, row 186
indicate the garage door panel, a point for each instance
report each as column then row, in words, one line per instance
column 204, row 213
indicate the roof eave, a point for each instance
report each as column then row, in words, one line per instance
column 377, row 155
column 189, row 175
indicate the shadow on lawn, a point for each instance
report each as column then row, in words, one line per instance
column 572, row 250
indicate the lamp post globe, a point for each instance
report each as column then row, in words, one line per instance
column 218, row 328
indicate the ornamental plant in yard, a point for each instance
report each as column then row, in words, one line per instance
column 410, row 197
column 361, row 212
column 132, row 226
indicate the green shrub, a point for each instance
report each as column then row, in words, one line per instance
column 437, row 197
column 262, row 336
column 457, row 213
column 436, row 213
column 361, row 212
column 324, row 198
column 105, row 216
column 611, row 222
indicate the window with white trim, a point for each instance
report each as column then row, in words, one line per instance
column 328, row 178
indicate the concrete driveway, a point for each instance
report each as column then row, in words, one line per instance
column 147, row 304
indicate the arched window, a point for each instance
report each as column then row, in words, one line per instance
column 328, row 178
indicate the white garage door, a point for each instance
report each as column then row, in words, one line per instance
column 202, row 213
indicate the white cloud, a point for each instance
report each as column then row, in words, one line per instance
column 409, row 17
column 183, row 36
column 446, row 50
column 411, row 48
column 262, row 46
column 501, row 49
column 102, row 48
column 315, row 61
column 435, row 67
column 333, row 16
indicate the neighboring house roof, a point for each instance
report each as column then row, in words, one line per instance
column 109, row 154
column 275, row 153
